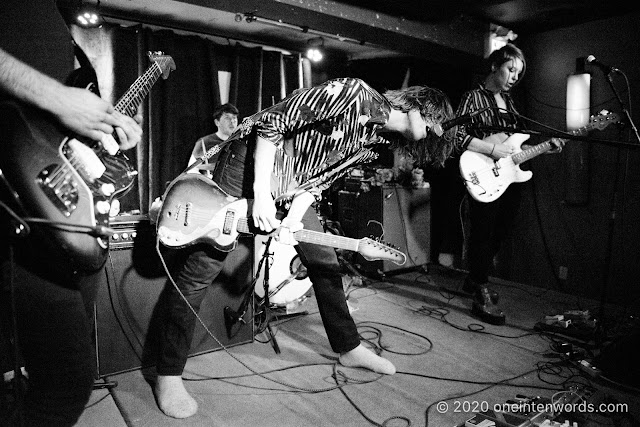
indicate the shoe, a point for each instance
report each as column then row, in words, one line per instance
column 470, row 287
column 485, row 309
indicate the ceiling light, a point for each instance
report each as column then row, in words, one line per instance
column 88, row 15
column 314, row 49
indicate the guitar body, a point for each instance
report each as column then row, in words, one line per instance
column 32, row 159
column 196, row 210
column 487, row 179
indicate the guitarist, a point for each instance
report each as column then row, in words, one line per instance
column 296, row 142
column 51, row 311
column 491, row 222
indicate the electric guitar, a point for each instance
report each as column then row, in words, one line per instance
column 67, row 183
column 487, row 179
column 196, row 210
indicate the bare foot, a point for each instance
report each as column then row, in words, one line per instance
column 173, row 398
column 361, row 357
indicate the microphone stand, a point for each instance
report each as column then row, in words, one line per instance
column 622, row 107
column 553, row 134
column 17, row 230
column 600, row 329
column 231, row 316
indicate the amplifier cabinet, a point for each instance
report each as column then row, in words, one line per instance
column 399, row 215
column 133, row 280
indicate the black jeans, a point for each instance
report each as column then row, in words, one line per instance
column 55, row 338
column 199, row 265
column 490, row 224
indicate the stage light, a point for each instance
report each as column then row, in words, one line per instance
column 314, row 49
column 88, row 15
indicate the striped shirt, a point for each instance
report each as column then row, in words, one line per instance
column 319, row 129
column 478, row 99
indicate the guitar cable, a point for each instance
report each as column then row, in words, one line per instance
column 25, row 229
column 95, row 231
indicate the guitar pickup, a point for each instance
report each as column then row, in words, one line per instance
column 229, row 217
column 187, row 210
column 496, row 169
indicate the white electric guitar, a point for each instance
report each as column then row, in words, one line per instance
column 487, row 179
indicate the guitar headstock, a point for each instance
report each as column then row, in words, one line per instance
column 165, row 62
column 372, row 250
column 602, row 120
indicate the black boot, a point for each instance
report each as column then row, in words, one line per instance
column 470, row 287
column 484, row 308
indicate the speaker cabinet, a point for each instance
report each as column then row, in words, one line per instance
column 399, row 215
column 133, row 280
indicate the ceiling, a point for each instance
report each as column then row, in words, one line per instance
column 450, row 31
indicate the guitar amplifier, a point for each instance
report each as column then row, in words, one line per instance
column 134, row 276
column 398, row 215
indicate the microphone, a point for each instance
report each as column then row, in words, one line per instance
column 606, row 68
column 440, row 128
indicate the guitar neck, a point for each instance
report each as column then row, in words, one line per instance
column 309, row 236
column 532, row 152
column 132, row 98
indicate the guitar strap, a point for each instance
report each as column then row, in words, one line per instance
column 210, row 153
column 86, row 72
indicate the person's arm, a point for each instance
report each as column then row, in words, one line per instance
column 491, row 146
column 77, row 109
column 264, row 208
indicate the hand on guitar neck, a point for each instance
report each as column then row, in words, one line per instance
column 489, row 166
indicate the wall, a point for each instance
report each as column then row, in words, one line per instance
column 598, row 242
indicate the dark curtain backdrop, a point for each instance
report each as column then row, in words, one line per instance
column 178, row 110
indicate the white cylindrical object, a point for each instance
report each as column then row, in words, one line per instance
column 578, row 100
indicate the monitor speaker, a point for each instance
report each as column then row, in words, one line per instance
column 134, row 277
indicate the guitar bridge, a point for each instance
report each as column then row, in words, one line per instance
column 60, row 188
column 496, row 169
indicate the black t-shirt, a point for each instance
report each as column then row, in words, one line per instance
column 34, row 32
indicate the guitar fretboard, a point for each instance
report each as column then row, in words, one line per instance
column 129, row 102
column 536, row 150
column 309, row 236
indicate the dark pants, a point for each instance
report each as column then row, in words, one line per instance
column 490, row 224
column 200, row 265
column 54, row 325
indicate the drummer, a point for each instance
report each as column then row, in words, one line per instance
column 225, row 117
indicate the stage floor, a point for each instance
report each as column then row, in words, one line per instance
column 450, row 365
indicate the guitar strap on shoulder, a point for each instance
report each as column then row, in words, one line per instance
column 81, row 56
column 85, row 76
column 206, row 156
